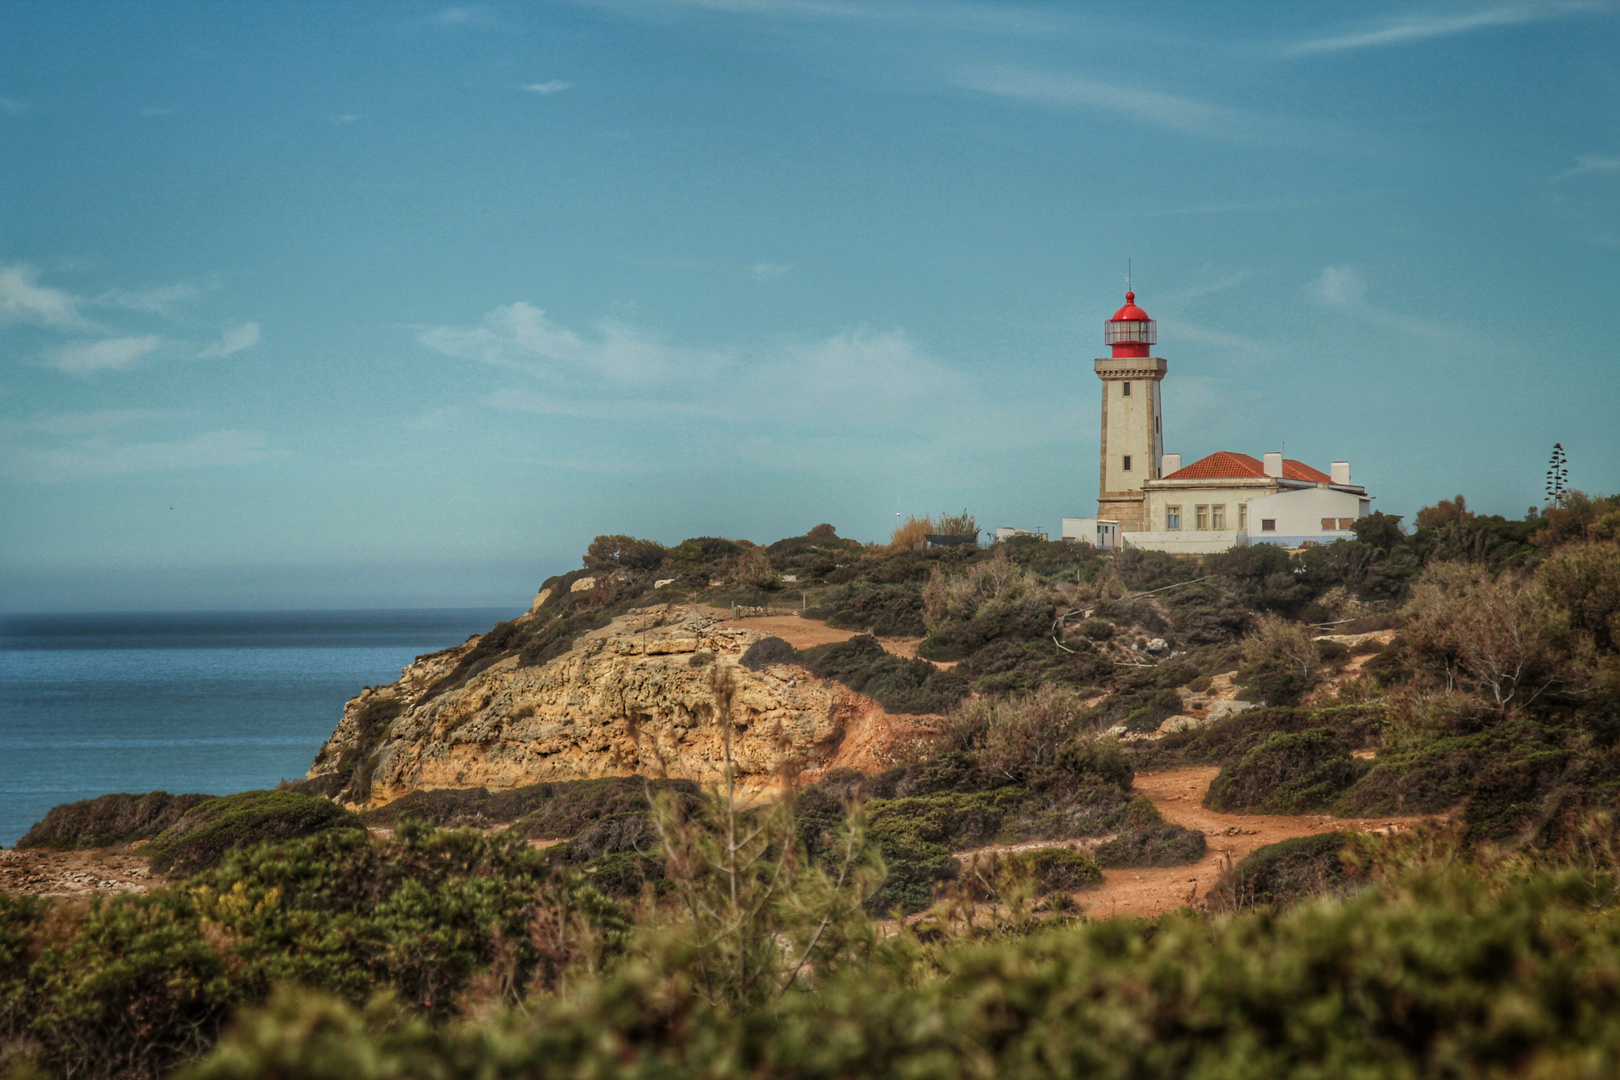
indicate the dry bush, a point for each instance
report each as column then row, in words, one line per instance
column 913, row 531
column 1500, row 637
column 1014, row 737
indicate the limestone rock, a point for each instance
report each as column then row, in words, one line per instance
column 626, row 699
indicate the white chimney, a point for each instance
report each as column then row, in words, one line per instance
column 1169, row 463
column 1340, row 471
column 1273, row 464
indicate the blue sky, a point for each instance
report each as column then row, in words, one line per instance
column 338, row 305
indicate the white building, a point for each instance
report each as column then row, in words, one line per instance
column 1220, row 501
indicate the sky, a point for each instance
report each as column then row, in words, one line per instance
column 399, row 305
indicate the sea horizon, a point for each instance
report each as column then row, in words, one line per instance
column 211, row 701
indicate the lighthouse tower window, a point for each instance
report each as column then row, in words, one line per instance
column 1127, row 387
column 1127, row 463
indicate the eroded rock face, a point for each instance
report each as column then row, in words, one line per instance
column 627, row 699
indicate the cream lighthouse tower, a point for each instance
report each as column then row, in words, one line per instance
column 1132, row 424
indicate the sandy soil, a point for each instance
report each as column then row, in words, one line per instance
column 797, row 632
column 36, row 872
column 802, row 633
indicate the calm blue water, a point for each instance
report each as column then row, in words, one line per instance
column 212, row 702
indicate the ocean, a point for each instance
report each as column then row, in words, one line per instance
column 213, row 702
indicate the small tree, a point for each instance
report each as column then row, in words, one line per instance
column 627, row 552
column 1279, row 660
column 753, row 914
column 1380, row 530
column 754, row 569
column 823, row 531
column 962, row 524
column 1445, row 512
column 1557, row 476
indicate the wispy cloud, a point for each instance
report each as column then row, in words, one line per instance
column 1411, row 29
column 1344, row 289
column 765, row 271
column 461, row 15
column 1149, row 106
column 155, row 110
column 94, row 452
column 159, row 300
column 100, row 422
column 1590, row 163
column 12, row 107
column 1339, row 287
column 555, row 86
column 1267, row 206
column 520, row 336
column 234, row 340
column 662, row 407
column 344, row 118
column 109, row 354
column 815, row 8
column 23, row 299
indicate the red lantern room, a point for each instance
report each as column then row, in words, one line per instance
column 1130, row 331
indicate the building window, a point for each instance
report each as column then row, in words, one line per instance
column 1329, row 524
column 1155, row 423
column 1217, row 516
column 1202, row 513
column 1268, row 524
column 1172, row 518
column 1347, row 523
column 1127, row 387
column 1243, row 516
column 1127, row 463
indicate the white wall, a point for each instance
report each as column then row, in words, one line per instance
column 1186, row 543
column 1190, row 498
column 1299, row 514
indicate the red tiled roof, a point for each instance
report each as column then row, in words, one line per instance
column 1225, row 465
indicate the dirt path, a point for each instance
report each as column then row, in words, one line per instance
column 1179, row 794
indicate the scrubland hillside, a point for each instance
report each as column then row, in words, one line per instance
column 657, row 919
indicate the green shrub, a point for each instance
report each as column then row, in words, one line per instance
column 1287, row 773
column 899, row 684
column 619, row 551
column 201, row 837
column 461, row 808
column 128, row 987
column 1005, row 666
column 108, row 821
column 1284, row 873
column 576, row 805
column 1460, row 980
column 767, row 651
column 1163, row 844
column 1055, row 870
column 1514, row 780
column 885, row 610
column 917, row 835
column 1162, row 706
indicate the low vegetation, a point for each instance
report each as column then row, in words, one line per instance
column 108, row 821
column 622, row 927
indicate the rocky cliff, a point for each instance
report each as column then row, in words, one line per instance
column 632, row 697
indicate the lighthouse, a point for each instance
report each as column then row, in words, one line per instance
column 1132, row 421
